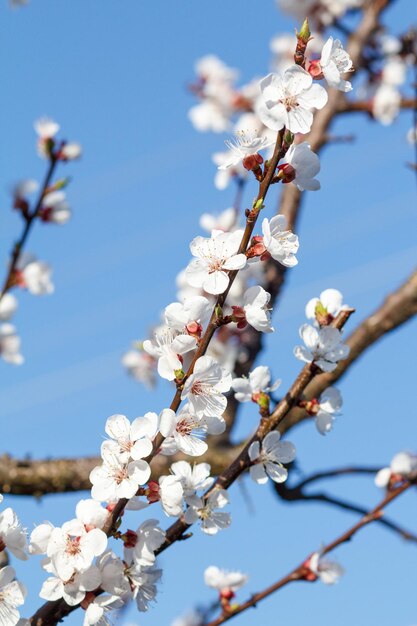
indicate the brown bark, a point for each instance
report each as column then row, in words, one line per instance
column 28, row 477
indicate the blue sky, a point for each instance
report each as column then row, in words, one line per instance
column 114, row 75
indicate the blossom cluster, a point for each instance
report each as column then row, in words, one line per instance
column 174, row 343
column 219, row 289
column 26, row 270
column 289, row 94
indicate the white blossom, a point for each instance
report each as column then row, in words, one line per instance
column 73, row 591
column 306, row 165
column 182, row 316
column 90, row 513
column 246, row 389
column 255, row 305
column 394, row 71
column 225, row 175
column 211, row 68
column 12, row 595
column 206, row 511
column 215, row 87
column 412, row 135
column 40, row 537
column 193, row 478
column 25, row 187
column 402, row 466
column 112, row 571
column 168, row 346
column 245, row 143
column 70, row 151
column 216, row 256
column 126, row 439
column 46, row 128
column 35, row 275
column 221, row 579
column 329, row 572
column 225, row 221
column 8, row 306
column 330, row 302
column 114, row 479
column 10, row 345
column 95, row 614
column 209, row 116
column 330, row 403
column 281, row 244
column 386, row 104
column 12, row 535
column 335, row 62
column 171, row 495
column 288, row 100
column 323, row 346
column 55, row 208
column 205, row 387
column 149, row 537
column 268, row 459
column 141, row 366
column 183, row 431
column 143, row 583
column 72, row 549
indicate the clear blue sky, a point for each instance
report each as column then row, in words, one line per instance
column 114, row 75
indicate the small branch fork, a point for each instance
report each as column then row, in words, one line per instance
column 302, row 571
column 29, row 221
column 267, row 424
column 297, row 493
column 53, row 612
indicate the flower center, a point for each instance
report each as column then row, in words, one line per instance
column 73, row 546
column 215, row 264
column 290, row 102
column 185, row 426
column 120, row 474
column 125, row 445
column 204, row 513
column 198, row 388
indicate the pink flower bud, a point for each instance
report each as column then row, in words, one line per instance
column 311, row 406
column 130, row 539
column 257, row 247
column 194, row 329
column 314, row 69
column 308, row 574
column 227, row 594
column 153, row 491
column 239, row 316
column 286, row 173
column 252, row 162
column 45, row 214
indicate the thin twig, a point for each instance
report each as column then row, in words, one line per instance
column 29, row 221
column 299, row 573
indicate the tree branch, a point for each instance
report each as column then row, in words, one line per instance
column 28, row 477
column 300, row 572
